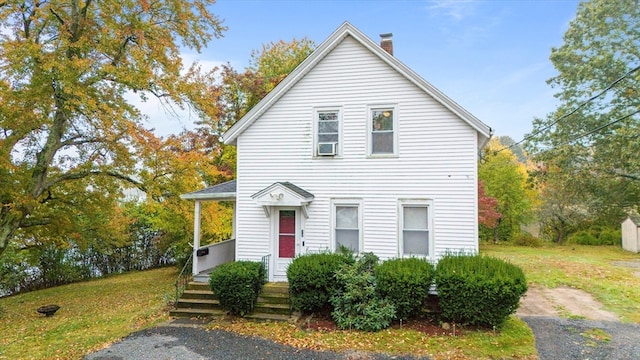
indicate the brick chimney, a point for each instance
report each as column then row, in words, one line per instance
column 386, row 42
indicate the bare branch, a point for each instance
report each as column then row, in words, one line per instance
column 57, row 16
column 31, row 222
column 77, row 175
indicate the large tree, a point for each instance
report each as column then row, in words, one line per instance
column 588, row 146
column 505, row 179
column 67, row 128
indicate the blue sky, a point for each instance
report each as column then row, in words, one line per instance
column 490, row 56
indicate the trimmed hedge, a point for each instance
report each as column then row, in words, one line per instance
column 237, row 285
column 405, row 283
column 312, row 280
column 478, row 290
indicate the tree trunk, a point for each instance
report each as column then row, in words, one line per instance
column 495, row 231
column 9, row 224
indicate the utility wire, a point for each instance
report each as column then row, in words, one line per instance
column 583, row 104
column 602, row 127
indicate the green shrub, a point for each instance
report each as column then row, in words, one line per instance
column 405, row 283
column 526, row 239
column 478, row 290
column 596, row 235
column 583, row 237
column 312, row 281
column 357, row 304
column 237, row 285
column 610, row 237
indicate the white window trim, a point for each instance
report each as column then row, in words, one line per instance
column 369, row 136
column 428, row 203
column 339, row 148
column 345, row 202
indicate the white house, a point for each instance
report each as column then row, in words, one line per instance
column 353, row 148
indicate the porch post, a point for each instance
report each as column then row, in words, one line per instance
column 196, row 236
column 233, row 221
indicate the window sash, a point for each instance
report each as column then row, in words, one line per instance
column 328, row 127
column 382, row 131
column 347, row 226
column 415, row 230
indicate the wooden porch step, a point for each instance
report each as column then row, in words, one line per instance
column 198, row 304
column 193, row 313
column 273, row 299
column 194, row 285
column 265, row 308
column 276, row 288
column 198, row 294
column 273, row 317
column 199, row 301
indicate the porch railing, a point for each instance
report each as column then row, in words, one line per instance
column 265, row 263
column 184, row 278
column 210, row 256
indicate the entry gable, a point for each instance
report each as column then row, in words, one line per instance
column 283, row 194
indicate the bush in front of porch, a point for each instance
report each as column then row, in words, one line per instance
column 237, row 285
column 312, row 280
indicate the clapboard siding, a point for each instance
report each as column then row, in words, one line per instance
column 436, row 158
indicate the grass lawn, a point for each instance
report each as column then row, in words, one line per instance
column 589, row 268
column 96, row 313
column 92, row 315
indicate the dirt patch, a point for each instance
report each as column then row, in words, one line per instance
column 565, row 301
column 536, row 303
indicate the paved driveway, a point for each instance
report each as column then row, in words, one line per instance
column 556, row 339
column 176, row 341
column 568, row 339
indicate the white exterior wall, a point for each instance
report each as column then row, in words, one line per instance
column 437, row 158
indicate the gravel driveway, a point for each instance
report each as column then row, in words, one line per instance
column 559, row 338
column 195, row 343
column 556, row 339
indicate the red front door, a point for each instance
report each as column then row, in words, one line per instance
column 287, row 234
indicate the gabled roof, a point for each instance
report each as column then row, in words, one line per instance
column 346, row 29
column 635, row 219
column 283, row 194
column 223, row 191
column 298, row 193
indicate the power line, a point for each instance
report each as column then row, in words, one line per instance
column 602, row 127
column 583, row 104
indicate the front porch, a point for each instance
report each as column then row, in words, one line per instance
column 285, row 207
column 207, row 257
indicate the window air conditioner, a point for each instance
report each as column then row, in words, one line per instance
column 326, row 149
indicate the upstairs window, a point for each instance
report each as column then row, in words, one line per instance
column 383, row 135
column 328, row 133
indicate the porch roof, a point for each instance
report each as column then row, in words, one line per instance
column 225, row 191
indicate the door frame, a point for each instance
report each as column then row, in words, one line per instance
column 276, row 263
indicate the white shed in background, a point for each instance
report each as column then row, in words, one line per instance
column 631, row 234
